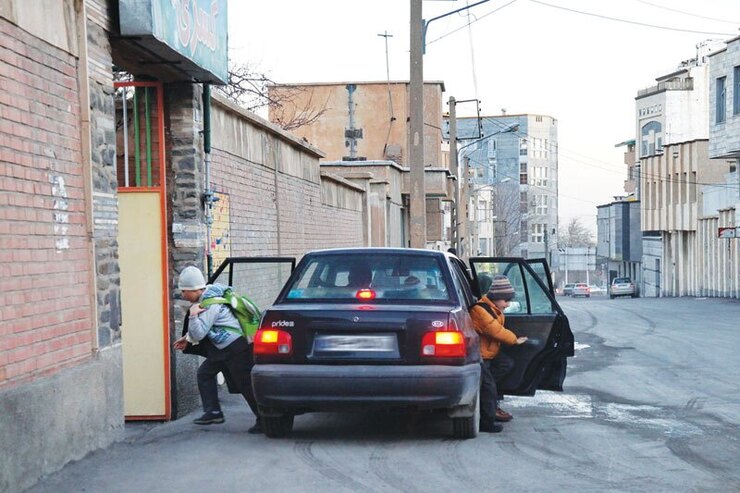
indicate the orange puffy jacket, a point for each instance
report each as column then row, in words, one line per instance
column 488, row 322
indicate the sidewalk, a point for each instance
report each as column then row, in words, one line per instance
column 172, row 456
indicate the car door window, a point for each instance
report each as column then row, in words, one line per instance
column 540, row 267
column 259, row 278
column 539, row 302
column 486, row 271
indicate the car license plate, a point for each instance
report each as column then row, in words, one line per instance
column 355, row 343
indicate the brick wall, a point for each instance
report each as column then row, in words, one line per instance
column 45, row 315
column 288, row 222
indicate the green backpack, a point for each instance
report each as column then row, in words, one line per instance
column 244, row 309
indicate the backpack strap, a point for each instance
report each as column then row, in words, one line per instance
column 487, row 308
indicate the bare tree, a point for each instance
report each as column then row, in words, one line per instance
column 250, row 89
column 507, row 209
column 575, row 234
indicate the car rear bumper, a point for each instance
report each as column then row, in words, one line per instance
column 622, row 291
column 363, row 387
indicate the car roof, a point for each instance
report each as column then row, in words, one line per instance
column 379, row 250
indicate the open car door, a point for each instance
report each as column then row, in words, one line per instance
column 259, row 278
column 541, row 362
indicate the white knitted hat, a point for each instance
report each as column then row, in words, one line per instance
column 191, row 279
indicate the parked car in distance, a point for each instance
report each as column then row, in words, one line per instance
column 581, row 289
column 568, row 289
column 597, row 289
column 380, row 329
column 622, row 286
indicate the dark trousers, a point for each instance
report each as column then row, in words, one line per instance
column 492, row 371
column 235, row 361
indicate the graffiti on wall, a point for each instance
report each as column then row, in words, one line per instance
column 221, row 229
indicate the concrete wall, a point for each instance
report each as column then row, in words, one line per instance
column 60, row 367
column 652, row 266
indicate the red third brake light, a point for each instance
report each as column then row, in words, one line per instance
column 365, row 294
column 443, row 344
column 273, row 341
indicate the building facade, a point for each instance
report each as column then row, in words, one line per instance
column 366, row 123
column 103, row 177
column 673, row 139
column 514, row 182
column 722, row 202
column 619, row 240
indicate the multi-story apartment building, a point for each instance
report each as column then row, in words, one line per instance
column 672, row 133
column 514, row 183
column 618, row 239
column 721, row 203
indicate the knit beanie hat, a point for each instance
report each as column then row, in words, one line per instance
column 501, row 289
column 191, row 279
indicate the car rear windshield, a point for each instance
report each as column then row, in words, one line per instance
column 386, row 278
column 621, row 280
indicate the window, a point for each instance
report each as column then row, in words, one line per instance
column 736, row 92
column 392, row 278
column 720, row 104
column 651, row 139
column 537, row 233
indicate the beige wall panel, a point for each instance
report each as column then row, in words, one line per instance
column 142, row 332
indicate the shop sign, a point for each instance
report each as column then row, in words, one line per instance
column 195, row 29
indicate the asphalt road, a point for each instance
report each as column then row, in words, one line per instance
column 652, row 403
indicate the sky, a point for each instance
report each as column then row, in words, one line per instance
column 523, row 56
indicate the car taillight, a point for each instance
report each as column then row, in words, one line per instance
column 365, row 294
column 273, row 342
column 443, row 344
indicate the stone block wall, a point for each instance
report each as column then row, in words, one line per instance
column 187, row 233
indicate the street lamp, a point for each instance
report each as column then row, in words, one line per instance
column 464, row 198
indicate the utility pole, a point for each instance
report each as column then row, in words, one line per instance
column 453, row 170
column 417, row 193
column 463, row 213
column 417, row 198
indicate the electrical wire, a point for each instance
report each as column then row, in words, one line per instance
column 472, row 55
column 566, row 153
column 688, row 13
column 627, row 21
column 470, row 22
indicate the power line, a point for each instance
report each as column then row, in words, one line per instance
column 470, row 22
column 689, row 13
column 589, row 163
column 627, row 21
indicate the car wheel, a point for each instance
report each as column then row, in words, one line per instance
column 277, row 426
column 611, row 296
column 588, row 296
column 465, row 428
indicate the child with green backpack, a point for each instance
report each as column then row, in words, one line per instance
column 220, row 326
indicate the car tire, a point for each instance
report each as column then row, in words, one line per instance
column 277, row 426
column 611, row 296
column 466, row 428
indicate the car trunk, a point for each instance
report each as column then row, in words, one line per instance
column 356, row 334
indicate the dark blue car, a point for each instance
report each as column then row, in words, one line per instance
column 388, row 329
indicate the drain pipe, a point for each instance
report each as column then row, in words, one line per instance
column 208, row 197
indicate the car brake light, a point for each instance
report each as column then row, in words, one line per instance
column 443, row 344
column 365, row 294
column 271, row 341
